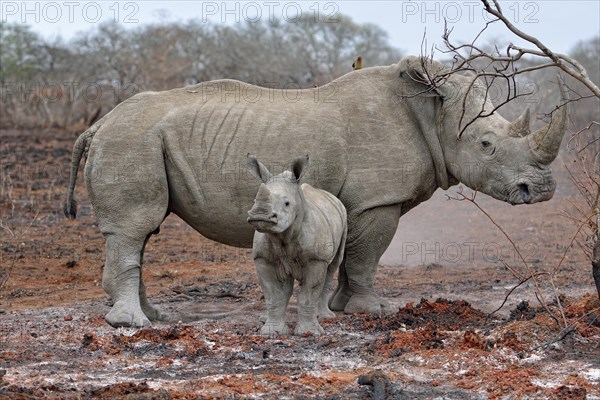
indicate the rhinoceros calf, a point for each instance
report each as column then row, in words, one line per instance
column 300, row 234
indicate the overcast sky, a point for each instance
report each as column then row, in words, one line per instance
column 559, row 24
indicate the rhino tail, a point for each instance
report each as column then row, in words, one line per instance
column 70, row 207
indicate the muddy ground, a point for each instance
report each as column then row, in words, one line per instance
column 445, row 270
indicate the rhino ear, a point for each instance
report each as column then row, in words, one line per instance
column 258, row 169
column 424, row 71
column 299, row 167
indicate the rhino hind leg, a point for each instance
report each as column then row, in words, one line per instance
column 342, row 293
column 151, row 312
column 129, row 206
column 369, row 235
column 121, row 280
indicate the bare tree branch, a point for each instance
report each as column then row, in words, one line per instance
column 530, row 274
column 575, row 69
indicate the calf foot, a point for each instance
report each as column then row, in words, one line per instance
column 325, row 313
column 368, row 304
column 273, row 329
column 312, row 328
column 122, row 314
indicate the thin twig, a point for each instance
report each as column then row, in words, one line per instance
column 507, row 296
column 568, row 329
column 530, row 273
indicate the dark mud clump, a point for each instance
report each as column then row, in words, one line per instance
column 444, row 314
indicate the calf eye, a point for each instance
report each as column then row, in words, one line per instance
column 287, row 203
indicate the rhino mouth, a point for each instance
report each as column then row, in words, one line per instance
column 256, row 220
column 272, row 219
column 262, row 222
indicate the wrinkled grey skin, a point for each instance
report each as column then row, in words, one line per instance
column 381, row 139
column 300, row 234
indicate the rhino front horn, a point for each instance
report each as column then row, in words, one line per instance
column 545, row 142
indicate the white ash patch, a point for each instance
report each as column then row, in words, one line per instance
column 592, row 374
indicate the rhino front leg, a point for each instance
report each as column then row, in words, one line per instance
column 277, row 296
column 369, row 235
column 121, row 279
column 309, row 297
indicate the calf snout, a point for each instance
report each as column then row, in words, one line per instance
column 262, row 216
column 262, row 220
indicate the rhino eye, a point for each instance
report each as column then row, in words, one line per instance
column 485, row 144
column 287, row 203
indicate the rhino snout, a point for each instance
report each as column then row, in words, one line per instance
column 263, row 222
column 524, row 190
column 262, row 218
column 272, row 217
column 531, row 192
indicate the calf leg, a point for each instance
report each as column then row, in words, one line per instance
column 324, row 307
column 277, row 291
column 323, row 310
column 369, row 235
column 308, row 300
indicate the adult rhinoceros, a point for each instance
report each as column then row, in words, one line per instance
column 382, row 140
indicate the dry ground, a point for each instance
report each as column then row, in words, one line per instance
column 443, row 270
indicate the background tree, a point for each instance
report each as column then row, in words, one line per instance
column 74, row 82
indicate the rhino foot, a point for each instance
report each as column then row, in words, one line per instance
column 312, row 328
column 368, row 304
column 339, row 299
column 152, row 312
column 121, row 315
column 273, row 329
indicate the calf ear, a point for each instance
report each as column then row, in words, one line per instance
column 258, row 169
column 299, row 167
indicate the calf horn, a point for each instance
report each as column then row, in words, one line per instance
column 262, row 203
column 263, row 195
column 545, row 142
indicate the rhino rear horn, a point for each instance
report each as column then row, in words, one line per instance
column 520, row 126
column 545, row 142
